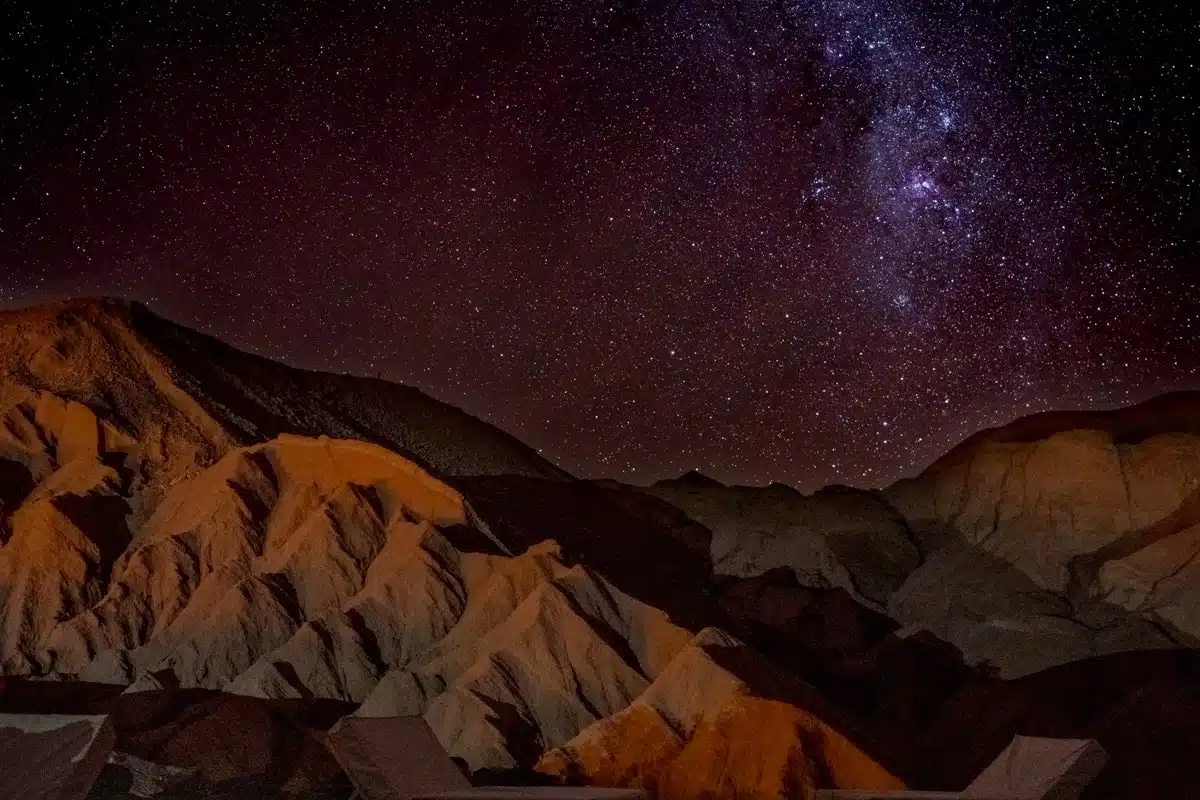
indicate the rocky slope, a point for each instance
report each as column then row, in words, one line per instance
column 316, row 568
column 110, row 376
column 1056, row 538
column 1070, row 534
column 178, row 518
column 332, row 569
column 700, row 730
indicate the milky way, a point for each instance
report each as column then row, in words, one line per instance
column 808, row 242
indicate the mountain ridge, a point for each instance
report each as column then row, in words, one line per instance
column 177, row 516
column 1176, row 411
column 221, row 381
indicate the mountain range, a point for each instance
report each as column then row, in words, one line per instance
column 180, row 519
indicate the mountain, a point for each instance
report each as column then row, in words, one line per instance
column 1091, row 524
column 316, row 568
column 1056, row 538
column 190, row 398
column 198, row 540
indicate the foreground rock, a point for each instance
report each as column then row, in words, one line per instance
column 699, row 731
column 306, row 569
column 318, row 568
column 321, row 568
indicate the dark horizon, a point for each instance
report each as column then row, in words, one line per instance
column 1190, row 393
column 817, row 244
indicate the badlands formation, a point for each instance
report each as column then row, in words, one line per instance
column 1059, row 537
column 191, row 536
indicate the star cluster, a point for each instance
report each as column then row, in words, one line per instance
column 811, row 242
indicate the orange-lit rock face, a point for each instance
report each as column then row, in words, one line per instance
column 758, row 748
column 766, row 749
column 234, row 561
column 699, row 732
column 637, row 752
column 320, row 568
column 187, row 399
column 102, row 415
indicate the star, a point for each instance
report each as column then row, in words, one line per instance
column 521, row 209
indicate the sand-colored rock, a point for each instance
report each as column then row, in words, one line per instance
column 1063, row 536
column 1162, row 579
column 401, row 693
column 699, row 731
column 105, row 409
column 172, row 514
column 62, row 541
column 550, row 666
column 295, row 524
column 177, row 399
column 325, row 569
column 324, row 658
column 1058, row 537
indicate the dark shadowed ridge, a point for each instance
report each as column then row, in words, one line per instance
column 256, row 399
column 692, row 478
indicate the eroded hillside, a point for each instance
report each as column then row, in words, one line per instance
column 179, row 517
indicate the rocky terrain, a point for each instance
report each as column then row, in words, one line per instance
column 192, row 537
column 1056, row 538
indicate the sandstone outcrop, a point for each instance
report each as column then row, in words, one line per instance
column 698, row 730
column 318, row 568
column 1063, row 535
column 175, row 519
column 1059, row 537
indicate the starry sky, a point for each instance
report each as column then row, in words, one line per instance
column 812, row 242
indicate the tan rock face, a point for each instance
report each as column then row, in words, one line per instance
column 698, row 731
column 83, row 375
column 170, row 515
column 1075, row 544
column 1058, row 537
column 105, row 408
column 318, row 568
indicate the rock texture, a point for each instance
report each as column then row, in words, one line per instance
column 165, row 527
column 178, row 518
column 1062, row 536
column 110, row 376
column 838, row 537
column 1059, row 537
column 698, row 730
column 325, row 568
column 318, row 568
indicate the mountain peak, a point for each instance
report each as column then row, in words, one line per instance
column 98, row 305
column 148, row 376
column 1171, row 413
column 693, row 478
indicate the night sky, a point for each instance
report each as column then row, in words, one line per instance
column 811, row 242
